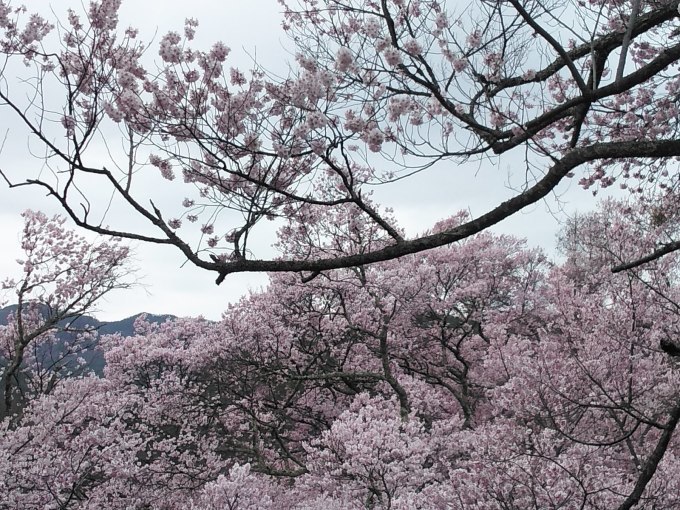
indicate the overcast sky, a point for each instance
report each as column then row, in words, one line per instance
column 252, row 27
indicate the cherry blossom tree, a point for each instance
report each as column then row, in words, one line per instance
column 64, row 278
column 197, row 413
column 589, row 411
column 476, row 375
column 379, row 90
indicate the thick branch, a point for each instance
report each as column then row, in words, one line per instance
column 649, row 468
column 553, row 42
column 661, row 62
column 626, row 39
column 657, row 254
column 602, row 45
column 573, row 159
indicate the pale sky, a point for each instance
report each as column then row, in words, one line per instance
column 252, row 28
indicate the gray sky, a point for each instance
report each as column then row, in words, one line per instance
column 249, row 28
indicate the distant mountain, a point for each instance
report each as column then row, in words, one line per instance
column 126, row 327
column 94, row 355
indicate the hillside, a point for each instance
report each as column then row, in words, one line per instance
column 94, row 356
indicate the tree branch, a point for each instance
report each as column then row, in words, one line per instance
column 657, row 254
column 648, row 470
column 573, row 159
